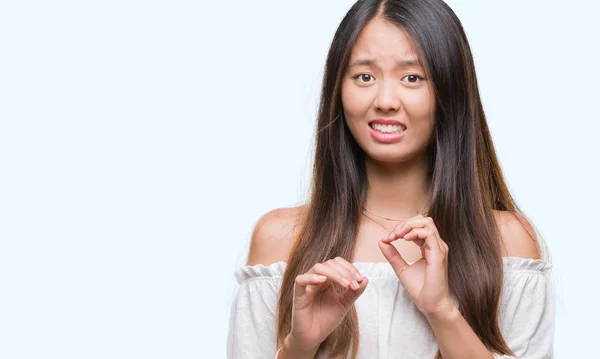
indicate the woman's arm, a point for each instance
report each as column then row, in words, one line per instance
column 453, row 333
column 455, row 337
column 289, row 351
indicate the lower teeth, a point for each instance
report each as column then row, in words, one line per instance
column 388, row 132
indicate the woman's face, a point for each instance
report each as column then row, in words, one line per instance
column 385, row 82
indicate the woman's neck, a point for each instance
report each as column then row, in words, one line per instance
column 397, row 190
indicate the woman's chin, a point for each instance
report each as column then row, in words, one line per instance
column 391, row 156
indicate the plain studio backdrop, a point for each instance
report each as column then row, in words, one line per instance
column 140, row 141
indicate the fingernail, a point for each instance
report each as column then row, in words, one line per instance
column 358, row 276
column 345, row 281
column 391, row 236
column 355, row 285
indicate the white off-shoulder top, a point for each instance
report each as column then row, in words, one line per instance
column 391, row 326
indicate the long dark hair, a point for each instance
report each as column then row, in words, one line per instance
column 465, row 180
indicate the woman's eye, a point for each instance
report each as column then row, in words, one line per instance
column 413, row 79
column 365, row 78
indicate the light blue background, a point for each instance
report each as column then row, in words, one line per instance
column 140, row 141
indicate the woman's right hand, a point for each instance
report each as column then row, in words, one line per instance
column 318, row 308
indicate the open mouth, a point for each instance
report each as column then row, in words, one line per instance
column 389, row 129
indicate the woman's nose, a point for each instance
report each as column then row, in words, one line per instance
column 387, row 97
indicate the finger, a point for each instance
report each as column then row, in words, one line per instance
column 444, row 245
column 393, row 256
column 349, row 296
column 402, row 229
column 418, row 235
column 426, row 239
column 351, row 269
column 392, row 235
column 415, row 222
column 305, row 280
column 331, row 273
column 346, row 273
column 408, row 225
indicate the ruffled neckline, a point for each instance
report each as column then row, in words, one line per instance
column 384, row 269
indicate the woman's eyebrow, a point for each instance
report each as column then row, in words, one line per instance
column 400, row 63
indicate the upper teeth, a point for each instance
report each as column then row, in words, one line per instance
column 387, row 128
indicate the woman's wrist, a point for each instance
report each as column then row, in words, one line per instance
column 290, row 350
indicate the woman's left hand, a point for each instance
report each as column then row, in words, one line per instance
column 426, row 280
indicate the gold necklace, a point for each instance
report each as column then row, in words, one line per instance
column 381, row 225
column 388, row 218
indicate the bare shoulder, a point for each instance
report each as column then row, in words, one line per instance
column 274, row 235
column 518, row 236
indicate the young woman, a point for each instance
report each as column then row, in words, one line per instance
column 410, row 245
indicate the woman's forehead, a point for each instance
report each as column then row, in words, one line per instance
column 382, row 41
